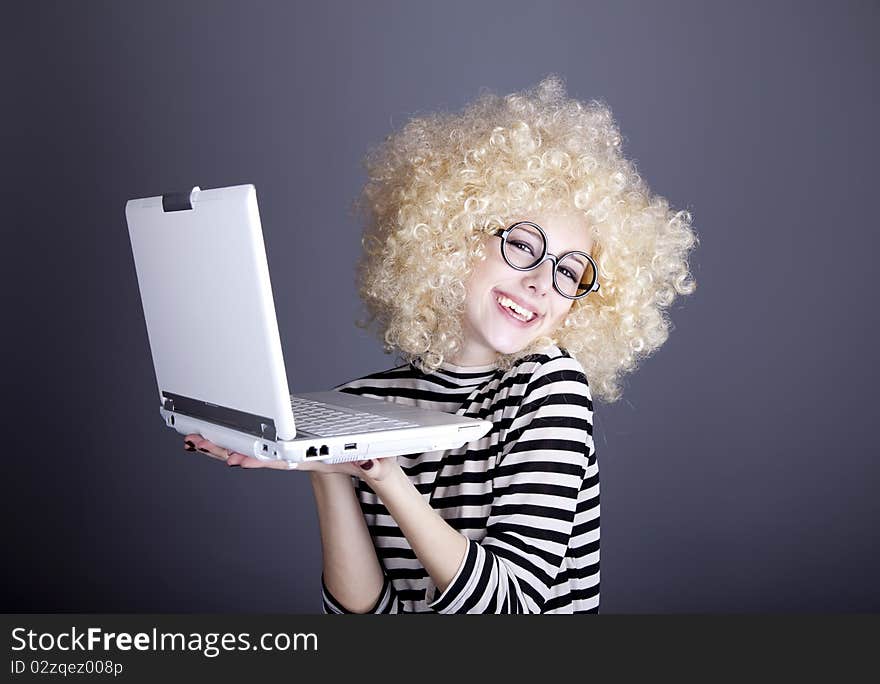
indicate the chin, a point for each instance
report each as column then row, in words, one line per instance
column 511, row 346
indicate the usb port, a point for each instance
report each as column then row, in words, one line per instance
column 351, row 445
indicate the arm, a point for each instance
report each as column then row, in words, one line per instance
column 351, row 567
column 353, row 580
column 536, row 483
column 438, row 546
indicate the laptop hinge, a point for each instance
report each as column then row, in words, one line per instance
column 252, row 424
column 179, row 201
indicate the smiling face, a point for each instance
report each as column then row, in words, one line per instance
column 499, row 297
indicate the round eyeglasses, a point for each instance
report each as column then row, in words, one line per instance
column 524, row 247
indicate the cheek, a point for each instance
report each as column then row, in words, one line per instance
column 558, row 317
column 483, row 278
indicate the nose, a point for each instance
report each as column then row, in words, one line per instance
column 540, row 280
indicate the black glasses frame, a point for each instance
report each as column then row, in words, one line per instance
column 546, row 256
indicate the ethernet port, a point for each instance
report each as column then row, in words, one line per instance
column 325, row 450
column 311, row 451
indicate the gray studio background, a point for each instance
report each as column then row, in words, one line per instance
column 739, row 472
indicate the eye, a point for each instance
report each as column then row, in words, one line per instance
column 525, row 247
column 568, row 274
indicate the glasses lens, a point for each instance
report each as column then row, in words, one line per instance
column 575, row 275
column 524, row 246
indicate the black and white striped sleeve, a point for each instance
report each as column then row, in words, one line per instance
column 542, row 466
column 386, row 603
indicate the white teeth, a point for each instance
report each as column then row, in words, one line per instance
column 524, row 314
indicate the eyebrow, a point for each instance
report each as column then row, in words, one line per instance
column 579, row 259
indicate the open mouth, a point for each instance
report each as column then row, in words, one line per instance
column 515, row 311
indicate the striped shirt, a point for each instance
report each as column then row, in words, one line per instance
column 526, row 495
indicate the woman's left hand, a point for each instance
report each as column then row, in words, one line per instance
column 371, row 470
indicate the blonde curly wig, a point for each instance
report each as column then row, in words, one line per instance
column 444, row 182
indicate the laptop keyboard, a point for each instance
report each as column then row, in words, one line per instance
column 326, row 421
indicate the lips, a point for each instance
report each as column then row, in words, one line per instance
column 509, row 314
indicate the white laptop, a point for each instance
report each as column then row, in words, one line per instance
column 207, row 300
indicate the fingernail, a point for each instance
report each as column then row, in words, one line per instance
column 367, row 465
column 205, row 450
column 190, row 446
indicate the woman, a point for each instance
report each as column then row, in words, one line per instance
column 510, row 253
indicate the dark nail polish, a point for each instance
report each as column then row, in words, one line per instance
column 190, row 446
column 205, row 450
column 367, row 465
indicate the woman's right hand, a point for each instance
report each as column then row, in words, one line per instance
column 195, row 442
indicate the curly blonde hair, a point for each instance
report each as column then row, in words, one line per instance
column 444, row 182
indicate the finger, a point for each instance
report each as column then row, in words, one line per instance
column 243, row 461
column 189, row 442
column 235, row 458
column 345, row 468
column 373, row 470
column 249, row 462
column 213, row 450
column 198, row 443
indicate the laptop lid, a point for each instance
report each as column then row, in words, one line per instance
column 208, row 305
